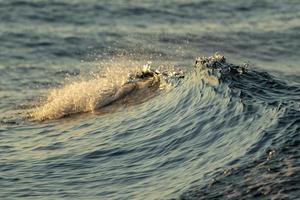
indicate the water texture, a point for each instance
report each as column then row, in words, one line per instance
column 211, row 135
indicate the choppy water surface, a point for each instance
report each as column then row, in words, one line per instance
column 234, row 137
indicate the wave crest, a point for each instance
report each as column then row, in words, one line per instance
column 81, row 96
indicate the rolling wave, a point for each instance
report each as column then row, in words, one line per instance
column 224, row 131
column 197, row 135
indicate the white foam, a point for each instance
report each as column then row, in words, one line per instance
column 81, row 95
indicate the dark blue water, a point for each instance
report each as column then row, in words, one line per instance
column 208, row 136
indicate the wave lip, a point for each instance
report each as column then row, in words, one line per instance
column 113, row 86
column 218, row 62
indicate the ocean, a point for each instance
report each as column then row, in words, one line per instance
column 206, row 136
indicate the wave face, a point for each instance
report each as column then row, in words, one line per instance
column 225, row 131
column 273, row 108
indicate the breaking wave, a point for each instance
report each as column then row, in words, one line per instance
column 203, row 133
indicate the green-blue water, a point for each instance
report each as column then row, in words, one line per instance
column 236, row 139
